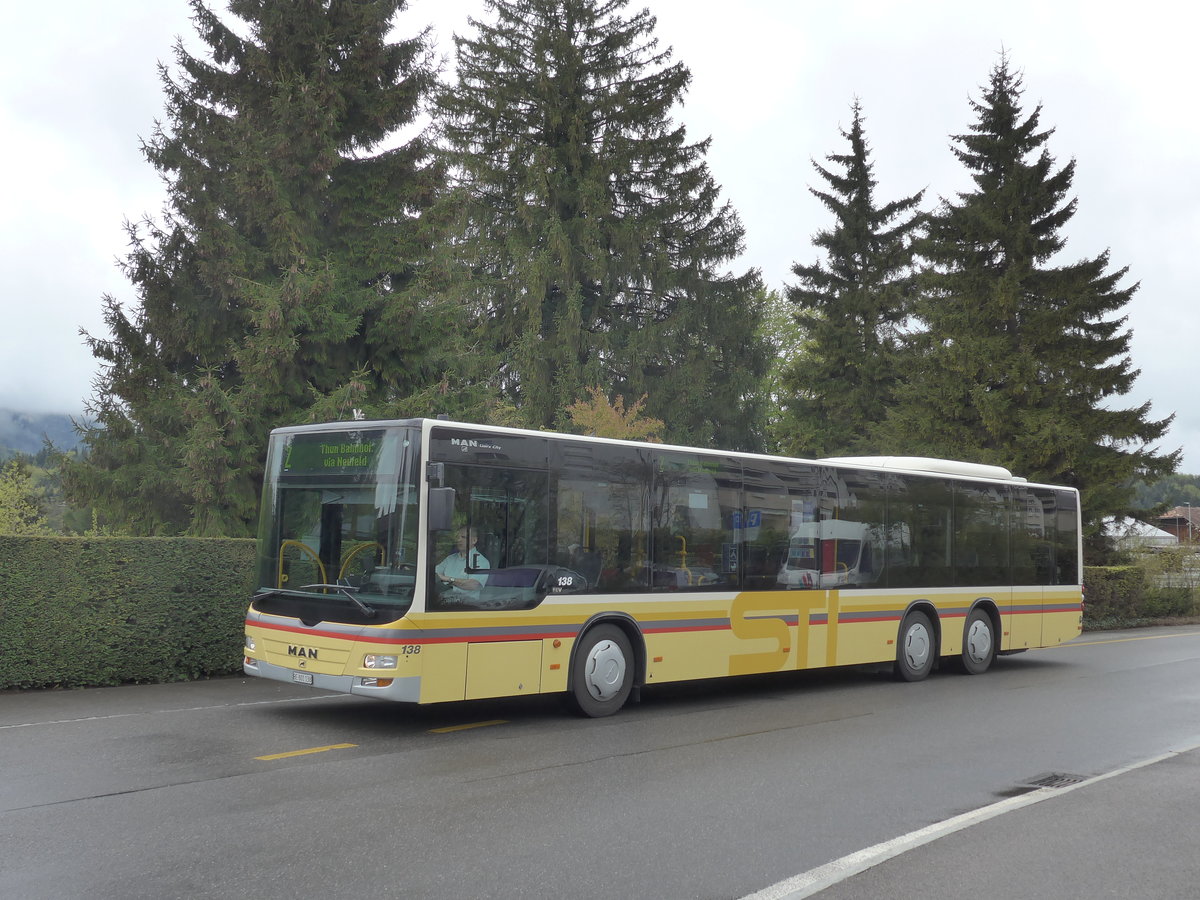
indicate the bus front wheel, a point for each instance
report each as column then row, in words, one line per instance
column 917, row 647
column 601, row 672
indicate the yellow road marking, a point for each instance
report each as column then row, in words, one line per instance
column 1146, row 637
column 306, row 752
column 450, row 728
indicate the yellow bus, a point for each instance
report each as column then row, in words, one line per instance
column 427, row 561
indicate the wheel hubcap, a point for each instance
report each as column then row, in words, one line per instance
column 916, row 646
column 979, row 642
column 605, row 670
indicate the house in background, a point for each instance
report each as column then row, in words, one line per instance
column 1132, row 535
column 1183, row 522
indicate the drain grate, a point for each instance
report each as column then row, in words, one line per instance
column 1054, row 780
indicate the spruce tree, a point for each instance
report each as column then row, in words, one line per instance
column 1021, row 354
column 275, row 288
column 589, row 238
column 850, row 307
column 786, row 346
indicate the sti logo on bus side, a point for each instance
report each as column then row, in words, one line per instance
column 306, row 652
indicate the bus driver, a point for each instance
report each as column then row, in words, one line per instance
column 452, row 571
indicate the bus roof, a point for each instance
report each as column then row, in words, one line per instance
column 914, row 464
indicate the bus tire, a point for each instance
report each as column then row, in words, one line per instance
column 979, row 643
column 602, row 672
column 916, row 647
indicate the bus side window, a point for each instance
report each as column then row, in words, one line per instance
column 602, row 514
column 697, row 504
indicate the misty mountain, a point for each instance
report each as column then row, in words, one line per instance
column 22, row 432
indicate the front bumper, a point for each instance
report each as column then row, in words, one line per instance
column 402, row 690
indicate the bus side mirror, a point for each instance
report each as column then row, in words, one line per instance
column 441, row 508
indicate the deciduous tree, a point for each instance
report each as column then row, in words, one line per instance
column 20, row 509
column 598, row 417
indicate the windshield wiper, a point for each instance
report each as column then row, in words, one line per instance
column 349, row 593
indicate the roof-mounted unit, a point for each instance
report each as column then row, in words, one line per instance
column 926, row 464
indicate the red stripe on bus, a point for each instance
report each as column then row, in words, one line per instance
column 490, row 638
column 422, row 637
column 417, row 637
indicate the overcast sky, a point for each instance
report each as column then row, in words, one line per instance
column 772, row 84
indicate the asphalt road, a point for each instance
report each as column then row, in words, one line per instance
column 1128, row 834
column 250, row 789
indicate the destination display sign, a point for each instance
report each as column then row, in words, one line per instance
column 333, row 453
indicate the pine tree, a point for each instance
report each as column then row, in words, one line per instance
column 850, row 308
column 276, row 287
column 589, row 226
column 1020, row 357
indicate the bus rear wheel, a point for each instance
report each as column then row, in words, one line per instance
column 916, row 648
column 601, row 672
column 979, row 643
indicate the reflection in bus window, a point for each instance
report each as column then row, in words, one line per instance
column 981, row 554
column 858, row 531
column 695, row 511
column 783, row 503
column 1045, row 536
column 922, row 508
column 603, row 515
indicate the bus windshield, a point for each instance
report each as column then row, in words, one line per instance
column 338, row 533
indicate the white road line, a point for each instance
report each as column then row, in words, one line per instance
column 806, row 884
column 153, row 712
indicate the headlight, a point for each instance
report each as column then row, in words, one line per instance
column 374, row 661
column 249, row 642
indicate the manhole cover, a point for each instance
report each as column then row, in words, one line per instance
column 1054, row 780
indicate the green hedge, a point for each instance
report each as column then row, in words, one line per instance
column 77, row 612
column 1117, row 596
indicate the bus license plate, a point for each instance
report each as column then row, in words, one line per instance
column 302, row 677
